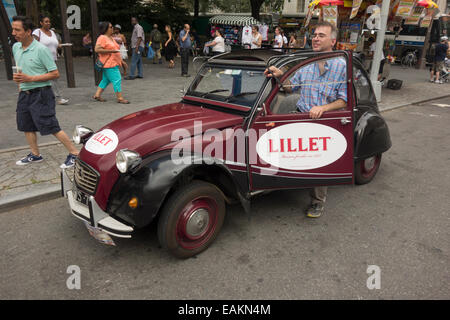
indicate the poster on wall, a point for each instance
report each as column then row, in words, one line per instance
column 10, row 9
column 405, row 8
column 330, row 14
column 426, row 21
column 355, row 8
column 415, row 16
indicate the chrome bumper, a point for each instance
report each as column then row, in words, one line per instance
column 92, row 213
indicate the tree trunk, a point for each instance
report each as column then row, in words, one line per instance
column 196, row 8
column 256, row 7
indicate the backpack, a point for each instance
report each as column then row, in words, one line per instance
column 157, row 36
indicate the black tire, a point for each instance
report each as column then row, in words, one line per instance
column 181, row 226
column 365, row 170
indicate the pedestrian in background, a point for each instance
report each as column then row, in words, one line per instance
column 137, row 48
column 156, row 38
column 293, row 43
column 440, row 52
column 218, row 44
column 87, row 42
column 36, row 102
column 170, row 48
column 256, row 38
column 185, row 48
column 48, row 38
column 109, row 54
column 278, row 40
column 122, row 42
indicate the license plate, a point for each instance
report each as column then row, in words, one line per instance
column 100, row 235
column 81, row 197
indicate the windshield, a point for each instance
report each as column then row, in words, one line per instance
column 237, row 85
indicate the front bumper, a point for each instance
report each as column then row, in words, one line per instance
column 92, row 213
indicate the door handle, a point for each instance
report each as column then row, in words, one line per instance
column 345, row 121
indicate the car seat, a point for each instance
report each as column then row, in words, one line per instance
column 285, row 103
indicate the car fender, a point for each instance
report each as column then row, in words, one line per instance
column 154, row 179
column 371, row 136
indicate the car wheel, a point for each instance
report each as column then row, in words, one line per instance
column 366, row 169
column 191, row 219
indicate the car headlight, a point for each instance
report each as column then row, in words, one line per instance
column 127, row 160
column 81, row 134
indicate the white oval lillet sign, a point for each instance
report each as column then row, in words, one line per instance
column 102, row 142
column 301, row 146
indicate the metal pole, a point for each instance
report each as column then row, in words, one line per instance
column 379, row 49
column 68, row 59
column 94, row 36
column 4, row 37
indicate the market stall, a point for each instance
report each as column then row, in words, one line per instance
column 237, row 29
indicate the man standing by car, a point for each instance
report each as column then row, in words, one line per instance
column 36, row 103
column 439, row 59
column 185, row 48
column 313, row 99
column 137, row 48
column 155, row 38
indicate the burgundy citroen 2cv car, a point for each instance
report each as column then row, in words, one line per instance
column 234, row 134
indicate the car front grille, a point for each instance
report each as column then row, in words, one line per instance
column 85, row 177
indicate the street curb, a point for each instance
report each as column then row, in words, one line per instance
column 42, row 145
column 31, row 197
column 413, row 102
column 53, row 192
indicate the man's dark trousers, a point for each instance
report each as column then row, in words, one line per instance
column 185, row 52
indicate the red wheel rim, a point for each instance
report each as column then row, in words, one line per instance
column 197, row 223
column 369, row 166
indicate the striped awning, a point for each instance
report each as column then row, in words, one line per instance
column 241, row 21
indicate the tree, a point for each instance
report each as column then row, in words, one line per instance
column 276, row 5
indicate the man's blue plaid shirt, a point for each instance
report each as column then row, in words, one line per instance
column 317, row 89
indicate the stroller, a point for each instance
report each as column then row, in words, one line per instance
column 444, row 76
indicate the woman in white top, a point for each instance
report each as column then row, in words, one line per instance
column 256, row 38
column 278, row 41
column 218, row 44
column 48, row 38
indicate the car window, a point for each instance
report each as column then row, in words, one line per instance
column 364, row 94
column 315, row 84
column 237, row 85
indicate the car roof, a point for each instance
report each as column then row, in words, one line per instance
column 254, row 57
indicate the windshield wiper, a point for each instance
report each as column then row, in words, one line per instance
column 239, row 95
column 213, row 91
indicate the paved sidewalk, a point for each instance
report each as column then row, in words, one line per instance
column 22, row 184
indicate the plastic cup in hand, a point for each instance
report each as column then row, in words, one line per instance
column 17, row 69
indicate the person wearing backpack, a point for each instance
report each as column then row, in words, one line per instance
column 155, row 38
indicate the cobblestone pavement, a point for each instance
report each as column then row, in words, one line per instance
column 160, row 85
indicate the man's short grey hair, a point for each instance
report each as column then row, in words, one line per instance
column 328, row 24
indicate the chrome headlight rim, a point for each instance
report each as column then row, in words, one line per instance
column 81, row 134
column 127, row 160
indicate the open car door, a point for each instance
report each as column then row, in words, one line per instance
column 291, row 150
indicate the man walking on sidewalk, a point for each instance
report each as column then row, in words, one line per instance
column 137, row 48
column 36, row 103
column 185, row 48
column 155, row 38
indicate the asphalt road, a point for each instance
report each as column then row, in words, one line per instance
column 399, row 222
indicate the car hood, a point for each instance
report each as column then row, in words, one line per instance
column 145, row 132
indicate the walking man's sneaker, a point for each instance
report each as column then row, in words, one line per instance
column 129, row 78
column 31, row 158
column 63, row 101
column 315, row 210
column 70, row 161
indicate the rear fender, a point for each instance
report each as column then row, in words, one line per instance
column 371, row 136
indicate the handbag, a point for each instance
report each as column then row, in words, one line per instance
column 123, row 52
column 151, row 53
column 99, row 65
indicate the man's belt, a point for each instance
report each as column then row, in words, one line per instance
column 35, row 89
